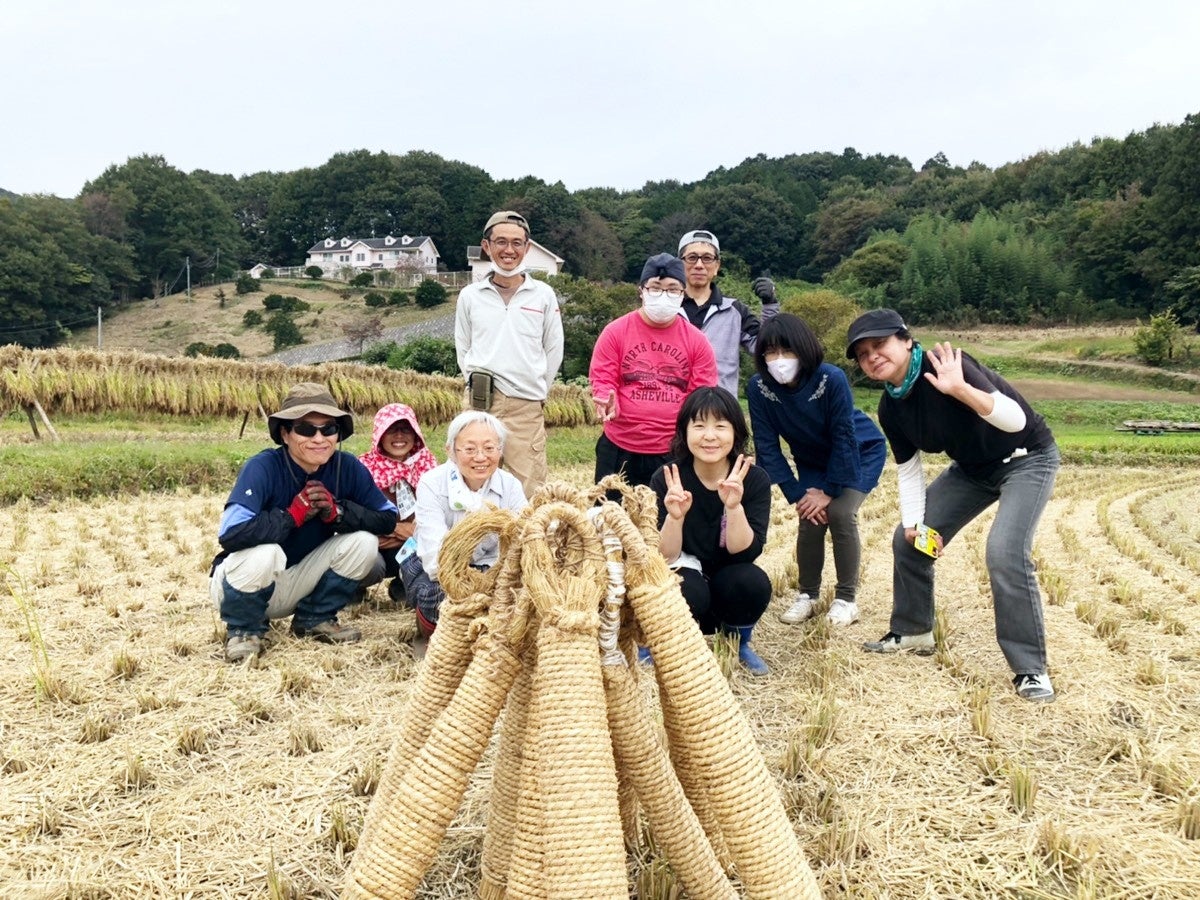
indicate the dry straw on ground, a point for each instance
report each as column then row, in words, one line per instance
column 134, row 763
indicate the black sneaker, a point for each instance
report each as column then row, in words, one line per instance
column 329, row 632
column 396, row 592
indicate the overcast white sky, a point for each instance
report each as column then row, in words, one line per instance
column 614, row 93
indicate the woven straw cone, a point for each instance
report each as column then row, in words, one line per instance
column 410, row 828
column 583, row 852
column 743, row 797
column 439, row 685
column 506, row 785
column 627, row 803
column 691, row 778
column 641, row 757
column 525, row 859
column 448, row 656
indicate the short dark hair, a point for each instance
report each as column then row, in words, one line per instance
column 790, row 333
column 700, row 404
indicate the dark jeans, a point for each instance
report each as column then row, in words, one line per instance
column 422, row 591
column 1022, row 488
column 736, row 595
column 637, row 468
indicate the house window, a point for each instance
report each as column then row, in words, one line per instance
column 360, row 257
column 326, row 256
column 379, row 256
column 345, row 257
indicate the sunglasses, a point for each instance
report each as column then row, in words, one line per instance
column 308, row 429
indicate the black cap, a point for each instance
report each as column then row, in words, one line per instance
column 873, row 324
column 664, row 265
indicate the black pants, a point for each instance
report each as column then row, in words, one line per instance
column 736, row 595
column 637, row 468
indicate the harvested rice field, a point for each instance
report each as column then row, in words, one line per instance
column 135, row 763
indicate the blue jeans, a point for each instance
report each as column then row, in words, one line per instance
column 1022, row 488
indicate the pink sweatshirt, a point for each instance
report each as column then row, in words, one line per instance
column 651, row 370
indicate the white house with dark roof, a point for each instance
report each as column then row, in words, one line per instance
column 537, row 259
column 414, row 255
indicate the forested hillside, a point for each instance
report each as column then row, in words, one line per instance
column 1106, row 229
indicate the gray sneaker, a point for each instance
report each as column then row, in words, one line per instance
column 240, row 647
column 920, row 644
column 329, row 632
column 1034, row 687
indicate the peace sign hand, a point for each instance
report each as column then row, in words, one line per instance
column 947, row 366
column 731, row 488
column 677, row 500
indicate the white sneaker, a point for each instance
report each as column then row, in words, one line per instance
column 842, row 612
column 1034, row 687
column 920, row 644
column 799, row 611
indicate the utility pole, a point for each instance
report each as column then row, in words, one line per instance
column 99, row 328
column 189, row 278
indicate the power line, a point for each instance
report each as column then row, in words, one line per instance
column 27, row 329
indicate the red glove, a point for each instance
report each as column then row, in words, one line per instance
column 322, row 501
column 300, row 509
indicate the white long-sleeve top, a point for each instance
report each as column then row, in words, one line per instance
column 520, row 342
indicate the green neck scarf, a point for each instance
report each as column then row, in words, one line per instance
column 914, row 372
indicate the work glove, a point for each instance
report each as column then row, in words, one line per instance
column 764, row 289
column 322, row 501
column 300, row 509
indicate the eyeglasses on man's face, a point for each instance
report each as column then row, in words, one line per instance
column 657, row 293
column 504, row 243
column 309, row 429
column 707, row 258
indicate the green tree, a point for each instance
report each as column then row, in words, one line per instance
column 426, row 354
column 53, row 271
column 1183, row 293
column 314, row 272
column 586, row 308
column 169, row 219
column 284, row 329
column 754, row 222
column 429, row 294
column 1155, row 343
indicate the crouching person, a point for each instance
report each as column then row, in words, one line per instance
column 468, row 480
column 300, row 529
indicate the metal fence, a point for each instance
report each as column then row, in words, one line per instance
column 388, row 278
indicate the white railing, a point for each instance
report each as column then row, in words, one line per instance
column 397, row 279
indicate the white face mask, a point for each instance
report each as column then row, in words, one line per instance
column 660, row 310
column 784, row 370
column 508, row 273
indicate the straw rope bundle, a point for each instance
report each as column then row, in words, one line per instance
column 547, row 636
column 89, row 381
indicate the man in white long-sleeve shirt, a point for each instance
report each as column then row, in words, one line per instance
column 508, row 327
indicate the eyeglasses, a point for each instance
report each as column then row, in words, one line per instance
column 308, row 429
column 707, row 258
column 505, row 243
column 472, row 450
column 656, row 293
